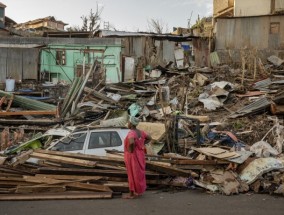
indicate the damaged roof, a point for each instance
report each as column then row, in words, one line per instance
column 2, row 5
column 108, row 33
column 48, row 18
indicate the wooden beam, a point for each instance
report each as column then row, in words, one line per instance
column 92, row 187
column 43, row 180
column 80, row 171
column 228, row 10
column 19, row 113
column 65, row 160
column 170, row 170
column 21, row 158
column 103, row 159
column 67, row 183
column 89, row 172
column 201, row 162
column 71, row 177
column 57, row 196
column 40, row 188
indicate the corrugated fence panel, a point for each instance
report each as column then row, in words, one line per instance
column 251, row 32
column 30, row 63
column 3, row 58
column 14, row 64
column 168, row 51
column 138, row 46
column 279, row 5
column 252, row 7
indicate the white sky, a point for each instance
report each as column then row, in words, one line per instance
column 127, row 15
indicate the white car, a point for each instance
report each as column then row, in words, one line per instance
column 91, row 141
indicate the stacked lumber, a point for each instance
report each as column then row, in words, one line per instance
column 62, row 175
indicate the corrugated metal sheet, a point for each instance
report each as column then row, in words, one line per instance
column 30, row 63
column 3, row 64
column 214, row 59
column 168, row 51
column 201, row 52
column 252, row 7
column 18, row 63
column 15, row 64
column 108, row 33
column 249, row 32
column 279, row 5
column 259, row 105
column 264, row 84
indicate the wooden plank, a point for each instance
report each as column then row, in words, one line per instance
column 21, row 158
column 11, row 170
column 2, row 159
column 103, row 159
column 65, row 160
column 200, row 118
column 88, row 172
column 277, row 109
column 85, row 172
column 217, row 152
column 43, row 122
column 99, row 95
column 11, row 178
column 117, row 186
column 19, row 113
column 57, row 196
column 71, row 177
column 43, row 180
column 40, row 188
column 170, row 170
column 201, row 162
column 14, row 183
column 50, row 181
column 111, row 166
column 6, row 190
column 93, row 187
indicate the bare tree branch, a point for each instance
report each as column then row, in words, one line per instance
column 157, row 26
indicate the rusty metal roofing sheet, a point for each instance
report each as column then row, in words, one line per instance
column 261, row 104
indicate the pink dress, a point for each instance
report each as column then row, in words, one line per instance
column 135, row 162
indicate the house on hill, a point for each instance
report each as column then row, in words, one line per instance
column 42, row 24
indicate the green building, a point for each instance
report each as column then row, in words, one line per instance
column 65, row 59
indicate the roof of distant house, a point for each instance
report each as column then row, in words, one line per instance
column 109, row 33
column 2, row 5
column 48, row 18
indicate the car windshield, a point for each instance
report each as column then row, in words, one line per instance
column 72, row 142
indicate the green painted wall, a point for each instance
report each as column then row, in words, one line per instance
column 110, row 55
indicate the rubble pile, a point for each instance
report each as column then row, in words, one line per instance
column 222, row 132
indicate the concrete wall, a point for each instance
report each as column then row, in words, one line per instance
column 252, row 7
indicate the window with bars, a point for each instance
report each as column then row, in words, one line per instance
column 60, row 57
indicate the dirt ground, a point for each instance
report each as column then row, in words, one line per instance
column 154, row 202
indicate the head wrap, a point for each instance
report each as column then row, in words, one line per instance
column 134, row 120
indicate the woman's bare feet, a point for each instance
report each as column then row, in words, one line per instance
column 128, row 196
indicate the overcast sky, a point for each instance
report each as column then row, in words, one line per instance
column 127, row 15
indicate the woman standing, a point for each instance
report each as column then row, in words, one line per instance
column 134, row 158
